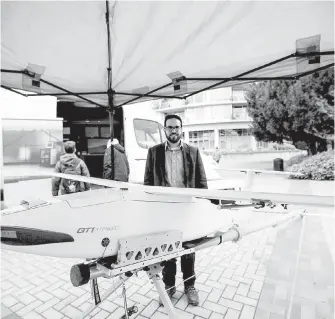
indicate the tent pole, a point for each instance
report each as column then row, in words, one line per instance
column 110, row 92
column 111, row 112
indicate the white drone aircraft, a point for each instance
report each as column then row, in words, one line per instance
column 130, row 227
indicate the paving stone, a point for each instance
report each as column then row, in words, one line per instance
column 33, row 315
column 140, row 299
column 52, row 314
column 150, row 309
column 182, row 303
column 254, row 277
column 229, row 282
column 228, row 273
column 20, row 282
column 64, row 302
column 23, row 311
column 108, row 306
column 198, row 311
column 17, row 307
column 215, row 315
column 254, row 295
column 9, row 301
column 6, row 285
column 232, row 314
column 243, row 289
column 248, row 312
column 26, row 298
column 256, row 286
column 245, row 300
column 47, row 305
column 145, row 289
column 215, row 307
column 101, row 315
column 215, row 275
column 79, row 301
column 157, row 315
column 202, row 287
column 230, row 304
column 203, row 296
column 71, row 311
column 44, row 296
column 215, row 295
column 13, row 316
column 77, row 291
column 202, row 278
column 241, row 279
column 229, row 292
column 215, row 284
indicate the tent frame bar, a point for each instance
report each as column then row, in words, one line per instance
column 293, row 55
column 31, row 74
column 149, row 94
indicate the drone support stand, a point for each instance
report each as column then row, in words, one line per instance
column 118, row 283
column 153, row 274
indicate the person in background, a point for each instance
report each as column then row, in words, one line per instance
column 116, row 165
column 69, row 163
column 182, row 167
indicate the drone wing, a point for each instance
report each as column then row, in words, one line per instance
column 279, row 198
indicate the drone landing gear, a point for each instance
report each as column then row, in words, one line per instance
column 153, row 274
column 147, row 253
column 120, row 281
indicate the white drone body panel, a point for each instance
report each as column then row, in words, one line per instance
column 75, row 225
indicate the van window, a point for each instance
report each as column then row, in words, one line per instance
column 148, row 133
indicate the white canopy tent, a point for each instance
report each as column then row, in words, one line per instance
column 158, row 48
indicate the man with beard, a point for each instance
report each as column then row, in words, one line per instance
column 176, row 164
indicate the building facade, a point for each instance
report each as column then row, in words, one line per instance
column 214, row 119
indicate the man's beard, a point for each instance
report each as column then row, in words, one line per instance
column 173, row 138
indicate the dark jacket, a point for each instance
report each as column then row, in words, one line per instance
column 74, row 165
column 121, row 165
column 194, row 172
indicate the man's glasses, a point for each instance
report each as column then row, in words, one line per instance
column 173, row 128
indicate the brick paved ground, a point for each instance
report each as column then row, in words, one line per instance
column 250, row 279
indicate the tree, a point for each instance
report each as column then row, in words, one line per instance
column 300, row 111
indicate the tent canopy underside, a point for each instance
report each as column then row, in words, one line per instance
column 152, row 43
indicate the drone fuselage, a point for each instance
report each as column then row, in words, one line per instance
column 90, row 224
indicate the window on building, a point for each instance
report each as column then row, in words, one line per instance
column 148, row 133
column 235, row 139
column 238, row 95
column 240, row 112
column 261, row 144
column 202, row 139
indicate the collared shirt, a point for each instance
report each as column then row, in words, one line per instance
column 174, row 167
